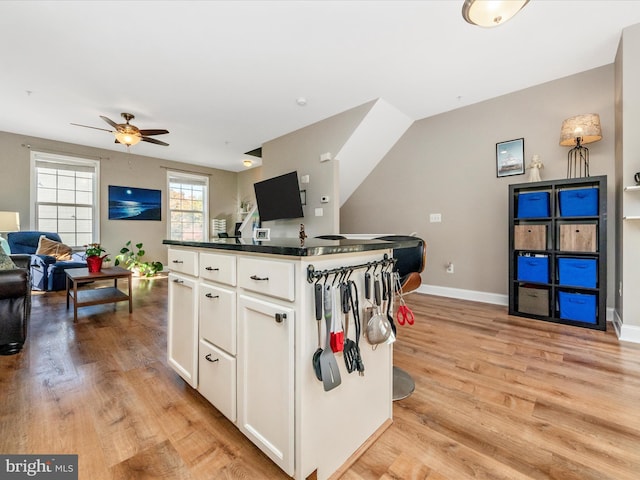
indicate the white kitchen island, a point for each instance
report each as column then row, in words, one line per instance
column 242, row 331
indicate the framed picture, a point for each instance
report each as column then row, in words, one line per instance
column 510, row 157
column 129, row 203
column 261, row 233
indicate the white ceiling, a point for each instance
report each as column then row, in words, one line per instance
column 223, row 76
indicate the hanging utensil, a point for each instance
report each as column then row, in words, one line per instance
column 404, row 314
column 378, row 327
column 337, row 334
column 328, row 365
column 389, row 301
column 318, row 305
column 355, row 308
column 349, row 345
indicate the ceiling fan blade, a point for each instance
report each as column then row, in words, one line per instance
column 153, row 140
column 153, row 132
column 109, row 121
column 95, row 128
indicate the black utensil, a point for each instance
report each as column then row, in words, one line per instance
column 355, row 308
column 349, row 350
column 389, row 290
column 316, row 355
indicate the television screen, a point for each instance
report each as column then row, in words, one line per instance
column 279, row 197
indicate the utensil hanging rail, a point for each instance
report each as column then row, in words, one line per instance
column 312, row 273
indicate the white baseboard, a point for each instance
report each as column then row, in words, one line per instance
column 473, row 295
column 625, row 333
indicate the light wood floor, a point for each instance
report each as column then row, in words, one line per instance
column 497, row 397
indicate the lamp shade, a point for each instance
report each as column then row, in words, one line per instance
column 585, row 126
column 491, row 13
column 9, row 221
column 128, row 138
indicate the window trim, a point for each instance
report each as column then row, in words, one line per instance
column 173, row 174
column 64, row 160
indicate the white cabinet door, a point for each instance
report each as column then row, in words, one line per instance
column 217, row 379
column 182, row 329
column 266, row 378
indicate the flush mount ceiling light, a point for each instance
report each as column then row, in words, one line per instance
column 491, row 13
column 247, row 163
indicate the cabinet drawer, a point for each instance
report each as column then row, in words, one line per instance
column 218, row 268
column 217, row 379
column 183, row 261
column 269, row 277
column 530, row 237
column 218, row 316
column 578, row 238
column 533, row 300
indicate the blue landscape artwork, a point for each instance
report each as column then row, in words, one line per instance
column 128, row 203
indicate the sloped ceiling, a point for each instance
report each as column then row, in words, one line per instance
column 224, row 76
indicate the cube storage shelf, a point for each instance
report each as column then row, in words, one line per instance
column 558, row 251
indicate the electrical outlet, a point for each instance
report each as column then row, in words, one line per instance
column 450, row 267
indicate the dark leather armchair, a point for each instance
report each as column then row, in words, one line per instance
column 15, row 305
column 47, row 273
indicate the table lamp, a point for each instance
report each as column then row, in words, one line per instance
column 9, row 222
column 578, row 131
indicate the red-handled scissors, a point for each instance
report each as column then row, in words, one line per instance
column 404, row 314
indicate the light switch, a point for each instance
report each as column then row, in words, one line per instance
column 435, row 218
column 319, row 212
column 304, row 179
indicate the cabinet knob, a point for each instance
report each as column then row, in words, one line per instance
column 211, row 269
column 260, row 279
column 177, row 280
column 280, row 317
column 177, row 261
column 212, row 360
column 208, row 295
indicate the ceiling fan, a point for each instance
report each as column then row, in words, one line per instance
column 128, row 134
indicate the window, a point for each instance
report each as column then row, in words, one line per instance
column 188, row 200
column 64, row 197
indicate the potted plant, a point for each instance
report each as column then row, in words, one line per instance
column 94, row 257
column 131, row 259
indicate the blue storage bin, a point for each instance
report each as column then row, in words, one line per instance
column 578, row 202
column 533, row 205
column 533, row 269
column 577, row 272
column 577, row 306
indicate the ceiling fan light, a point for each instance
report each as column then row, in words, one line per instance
column 128, row 139
column 491, row 13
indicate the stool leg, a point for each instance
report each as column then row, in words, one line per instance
column 403, row 384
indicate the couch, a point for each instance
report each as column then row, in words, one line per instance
column 47, row 273
column 15, row 304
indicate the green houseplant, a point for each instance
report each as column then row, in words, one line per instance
column 131, row 258
column 93, row 254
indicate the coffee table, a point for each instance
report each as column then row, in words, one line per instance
column 96, row 296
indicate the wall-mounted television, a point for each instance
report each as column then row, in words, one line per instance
column 279, row 197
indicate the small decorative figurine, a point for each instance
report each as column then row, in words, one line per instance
column 302, row 234
column 535, row 166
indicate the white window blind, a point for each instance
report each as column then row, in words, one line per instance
column 188, row 206
column 65, row 197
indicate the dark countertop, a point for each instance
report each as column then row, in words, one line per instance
column 292, row 247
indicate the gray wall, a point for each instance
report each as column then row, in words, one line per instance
column 116, row 168
column 446, row 164
column 300, row 150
